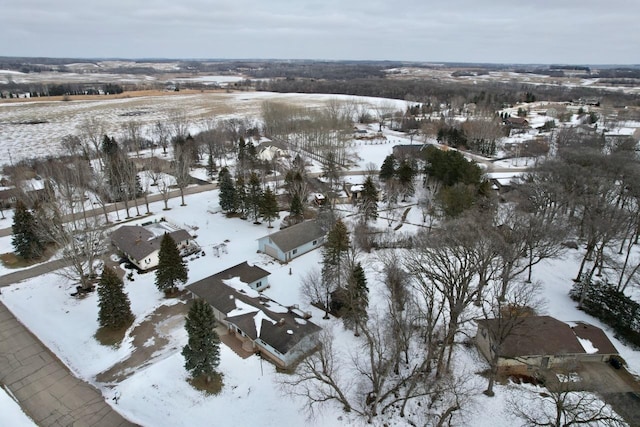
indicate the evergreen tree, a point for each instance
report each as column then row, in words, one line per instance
column 334, row 248
column 388, row 168
column 369, row 200
column 241, row 198
column 172, row 269
column 25, row 240
column 202, row 352
column 115, row 308
column 269, row 206
column 297, row 209
column 254, row 197
column 355, row 299
column 227, row 191
column 405, row 178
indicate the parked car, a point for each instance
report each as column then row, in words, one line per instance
column 616, row 362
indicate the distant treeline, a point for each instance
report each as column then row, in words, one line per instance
column 490, row 94
column 34, row 91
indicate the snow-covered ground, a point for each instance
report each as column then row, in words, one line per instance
column 158, row 394
column 11, row 414
column 36, row 128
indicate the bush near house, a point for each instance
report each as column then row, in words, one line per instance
column 612, row 307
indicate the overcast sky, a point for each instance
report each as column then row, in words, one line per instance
column 498, row 31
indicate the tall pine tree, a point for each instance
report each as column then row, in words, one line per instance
column 202, row 352
column 296, row 211
column 388, row 168
column 334, row 248
column 369, row 200
column 241, row 199
column 26, row 241
column 355, row 299
column 114, row 306
column 172, row 269
column 254, row 197
column 227, row 191
column 269, row 206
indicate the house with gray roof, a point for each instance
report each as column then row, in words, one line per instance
column 291, row 242
column 543, row 342
column 141, row 244
column 281, row 334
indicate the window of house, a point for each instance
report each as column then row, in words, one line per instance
column 315, row 242
column 295, row 251
column 258, row 284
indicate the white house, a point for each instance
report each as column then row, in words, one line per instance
column 280, row 334
column 287, row 244
column 141, row 244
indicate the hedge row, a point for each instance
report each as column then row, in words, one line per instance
column 612, row 307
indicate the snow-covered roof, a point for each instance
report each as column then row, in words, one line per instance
column 256, row 315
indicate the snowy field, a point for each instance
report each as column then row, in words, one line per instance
column 36, row 128
column 11, row 414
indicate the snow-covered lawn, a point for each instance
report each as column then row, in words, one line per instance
column 10, row 412
column 158, row 394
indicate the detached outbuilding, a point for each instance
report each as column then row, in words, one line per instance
column 291, row 242
column 543, row 342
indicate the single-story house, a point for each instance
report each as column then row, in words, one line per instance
column 543, row 342
column 516, row 122
column 291, row 242
column 281, row 334
column 141, row 244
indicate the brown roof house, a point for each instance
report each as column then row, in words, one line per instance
column 543, row 342
column 291, row 242
column 141, row 244
column 281, row 334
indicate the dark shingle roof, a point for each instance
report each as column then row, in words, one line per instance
column 544, row 335
column 138, row 242
column 597, row 337
column 280, row 327
column 297, row 235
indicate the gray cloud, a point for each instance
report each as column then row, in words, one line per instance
column 567, row 31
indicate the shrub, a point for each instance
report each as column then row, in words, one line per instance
column 612, row 307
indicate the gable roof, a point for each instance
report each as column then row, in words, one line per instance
column 297, row 235
column 545, row 335
column 258, row 316
column 138, row 242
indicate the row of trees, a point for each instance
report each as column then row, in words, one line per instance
column 249, row 200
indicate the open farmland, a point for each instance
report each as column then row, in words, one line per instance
column 35, row 129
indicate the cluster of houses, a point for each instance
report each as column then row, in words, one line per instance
column 280, row 334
